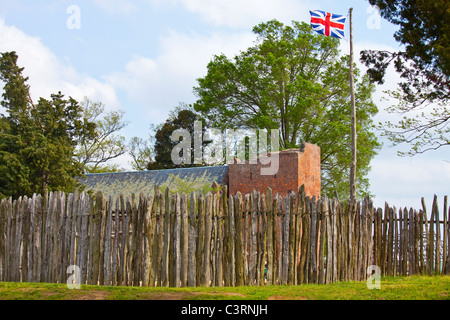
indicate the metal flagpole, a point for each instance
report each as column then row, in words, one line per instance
column 353, row 115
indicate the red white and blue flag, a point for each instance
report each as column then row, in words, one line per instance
column 328, row 24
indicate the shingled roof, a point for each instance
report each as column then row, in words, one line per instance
column 179, row 180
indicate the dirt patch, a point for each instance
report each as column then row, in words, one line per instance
column 187, row 295
column 76, row 295
column 220, row 294
column 286, row 298
column 165, row 296
column 92, row 295
column 184, row 295
column 234, row 294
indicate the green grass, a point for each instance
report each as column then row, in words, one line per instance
column 398, row 288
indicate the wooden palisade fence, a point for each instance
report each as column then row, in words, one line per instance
column 214, row 239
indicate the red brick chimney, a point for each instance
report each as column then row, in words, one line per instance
column 296, row 167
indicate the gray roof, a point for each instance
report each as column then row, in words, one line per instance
column 178, row 180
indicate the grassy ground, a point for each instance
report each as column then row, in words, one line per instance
column 399, row 288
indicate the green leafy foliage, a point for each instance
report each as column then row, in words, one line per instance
column 181, row 118
column 94, row 151
column 197, row 184
column 424, row 66
column 141, row 152
column 296, row 81
column 37, row 141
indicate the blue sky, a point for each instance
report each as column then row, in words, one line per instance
column 144, row 57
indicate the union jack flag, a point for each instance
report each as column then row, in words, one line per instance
column 328, row 24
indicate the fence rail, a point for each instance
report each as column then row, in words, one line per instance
column 213, row 239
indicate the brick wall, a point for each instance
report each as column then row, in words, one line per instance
column 296, row 167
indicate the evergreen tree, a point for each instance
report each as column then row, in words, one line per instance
column 37, row 141
column 179, row 119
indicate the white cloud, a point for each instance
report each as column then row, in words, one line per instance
column 188, row 55
column 238, row 13
column 161, row 83
column 391, row 79
column 404, row 181
column 48, row 74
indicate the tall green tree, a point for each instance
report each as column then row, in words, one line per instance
column 423, row 64
column 37, row 141
column 294, row 80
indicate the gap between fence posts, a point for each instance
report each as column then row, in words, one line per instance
column 216, row 239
